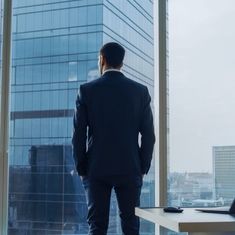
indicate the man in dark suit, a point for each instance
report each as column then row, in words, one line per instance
column 110, row 113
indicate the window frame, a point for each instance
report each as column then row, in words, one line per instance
column 160, row 104
column 162, row 96
column 4, row 121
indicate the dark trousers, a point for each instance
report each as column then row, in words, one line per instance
column 98, row 194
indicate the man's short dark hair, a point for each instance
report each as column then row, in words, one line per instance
column 113, row 53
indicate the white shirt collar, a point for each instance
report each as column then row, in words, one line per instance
column 109, row 70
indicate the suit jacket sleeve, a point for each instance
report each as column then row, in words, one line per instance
column 80, row 133
column 147, row 133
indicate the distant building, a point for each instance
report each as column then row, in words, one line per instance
column 224, row 172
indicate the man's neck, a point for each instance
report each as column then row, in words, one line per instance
column 110, row 69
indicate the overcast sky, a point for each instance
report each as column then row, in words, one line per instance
column 201, row 81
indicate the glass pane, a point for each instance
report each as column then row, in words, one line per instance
column 201, row 97
column 54, row 50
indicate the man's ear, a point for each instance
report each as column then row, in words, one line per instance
column 102, row 60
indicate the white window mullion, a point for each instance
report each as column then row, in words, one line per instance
column 160, row 14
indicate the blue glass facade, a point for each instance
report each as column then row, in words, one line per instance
column 55, row 45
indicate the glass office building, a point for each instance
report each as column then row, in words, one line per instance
column 55, row 45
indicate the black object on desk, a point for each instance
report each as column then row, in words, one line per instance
column 172, row 209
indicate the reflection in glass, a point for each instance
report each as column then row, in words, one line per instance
column 54, row 50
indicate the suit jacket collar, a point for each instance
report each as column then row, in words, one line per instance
column 112, row 73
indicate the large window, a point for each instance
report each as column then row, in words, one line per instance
column 201, row 148
column 55, row 45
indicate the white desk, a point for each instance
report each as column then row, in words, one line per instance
column 191, row 221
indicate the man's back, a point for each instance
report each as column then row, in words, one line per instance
column 116, row 107
column 114, row 110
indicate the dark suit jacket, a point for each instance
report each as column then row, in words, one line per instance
column 110, row 113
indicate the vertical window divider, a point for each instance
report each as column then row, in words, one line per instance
column 163, row 119
column 161, row 108
column 4, row 119
column 160, row 105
